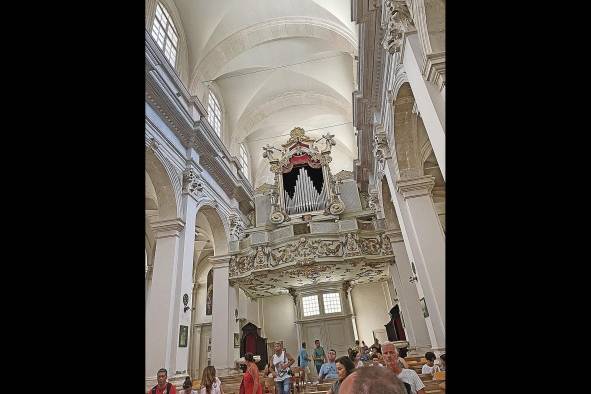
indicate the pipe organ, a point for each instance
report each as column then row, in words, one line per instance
column 303, row 181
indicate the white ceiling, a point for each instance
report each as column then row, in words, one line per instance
column 227, row 38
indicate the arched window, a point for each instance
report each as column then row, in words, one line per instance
column 209, row 296
column 165, row 34
column 244, row 160
column 215, row 114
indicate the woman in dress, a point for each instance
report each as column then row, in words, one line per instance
column 210, row 384
column 250, row 379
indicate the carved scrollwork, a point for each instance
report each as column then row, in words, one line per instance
column 386, row 245
column 351, row 245
column 373, row 202
column 398, row 22
column 236, row 228
column 191, row 182
column 370, row 246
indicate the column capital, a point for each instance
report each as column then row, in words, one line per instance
column 168, row 228
column 415, row 187
column 220, row 261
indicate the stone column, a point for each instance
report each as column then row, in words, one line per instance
column 408, row 297
column 196, row 369
column 185, row 279
column 220, row 322
column 347, row 288
column 161, row 327
column 425, row 245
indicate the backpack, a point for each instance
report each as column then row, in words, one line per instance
column 168, row 386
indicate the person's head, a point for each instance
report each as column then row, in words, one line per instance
column 442, row 358
column 363, row 342
column 430, row 356
column 304, row 345
column 187, row 385
column 278, row 346
column 368, row 380
column 161, row 376
column 376, row 349
column 391, row 356
column 208, row 378
column 332, row 354
column 402, row 352
column 357, row 343
column 375, row 359
column 375, row 341
column 355, row 355
column 344, row 367
column 249, row 357
column 317, row 343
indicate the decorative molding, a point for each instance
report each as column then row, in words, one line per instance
column 434, row 69
column 237, row 227
column 416, row 187
column 192, row 182
column 398, row 21
column 168, row 228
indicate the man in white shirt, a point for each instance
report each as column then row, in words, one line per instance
column 409, row 376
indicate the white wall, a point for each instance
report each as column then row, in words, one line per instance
column 279, row 319
column 371, row 310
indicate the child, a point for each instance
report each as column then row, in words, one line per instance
column 430, row 367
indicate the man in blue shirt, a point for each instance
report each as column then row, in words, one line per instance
column 329, row 369
column 303, row 361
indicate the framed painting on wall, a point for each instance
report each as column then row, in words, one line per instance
column 183, row 335
column 424, row 307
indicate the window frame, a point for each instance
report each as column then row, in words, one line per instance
column 317, row 303
column 320, row 300
column 216, row 116
column 243, row 159
column 169, row 31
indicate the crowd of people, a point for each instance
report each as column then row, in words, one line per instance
column 353, row 373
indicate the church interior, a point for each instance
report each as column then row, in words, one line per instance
column 294, row 182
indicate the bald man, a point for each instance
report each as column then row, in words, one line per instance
column 406, row 375
column 369, row 380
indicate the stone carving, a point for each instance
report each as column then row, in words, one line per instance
column 346, row 287
column 380, row 147
column 386, row 245
column 373, row 202
column 351, row 245
column 293, row 295
column 260, row 257
column 364, row 197
column 398, row 22
column 268, row 152
column 370, row 246
column 236, row 228
column 191, row 182
column 330, row 142
column 342, row 175
column 304, row 249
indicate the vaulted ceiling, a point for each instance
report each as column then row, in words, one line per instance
column 276, row 64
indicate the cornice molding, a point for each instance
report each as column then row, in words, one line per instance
column 168, row 228
column 415, row 187
column 434, row 70
column 220, row 261
column 170, row 99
